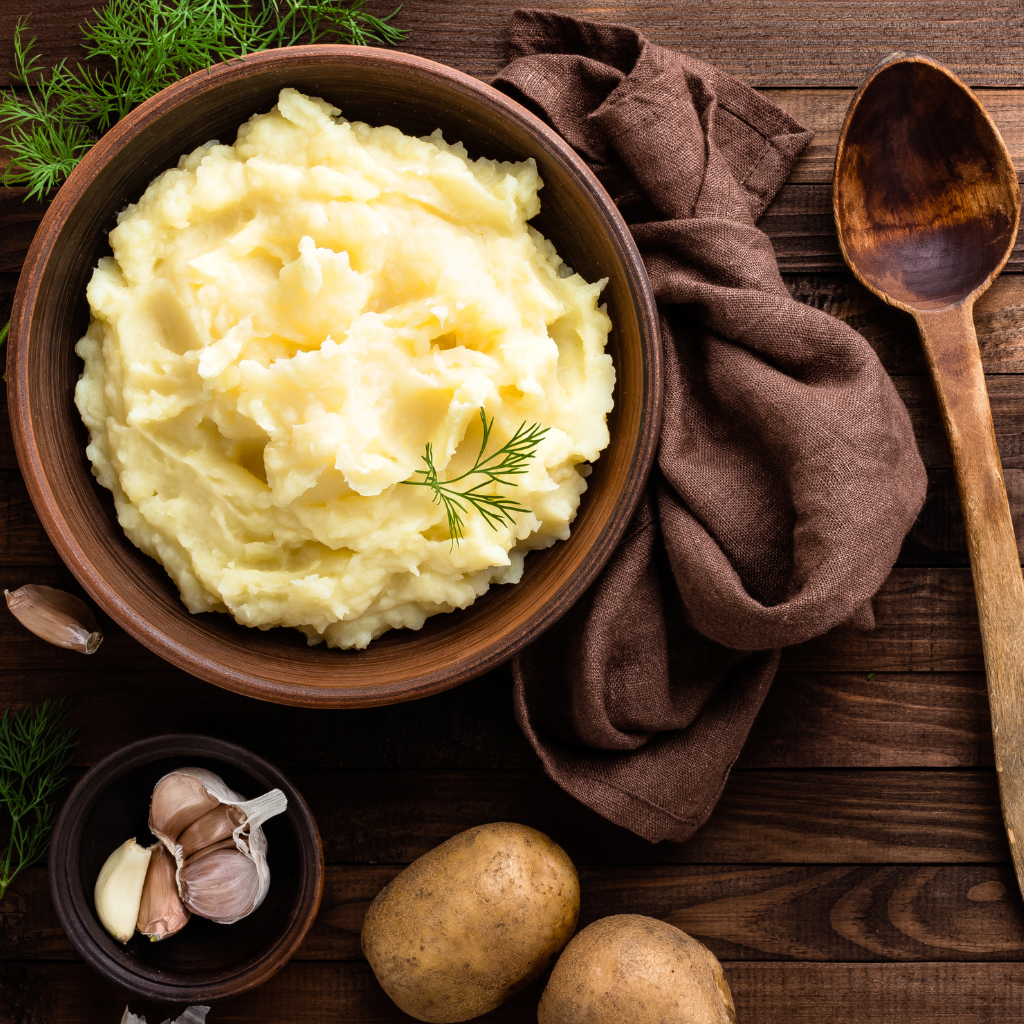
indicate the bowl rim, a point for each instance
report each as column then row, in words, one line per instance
column 158, row 639
column 79, row 923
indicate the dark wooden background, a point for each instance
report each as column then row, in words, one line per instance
column 856, row 869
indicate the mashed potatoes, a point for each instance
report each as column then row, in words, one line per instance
column 284, row 326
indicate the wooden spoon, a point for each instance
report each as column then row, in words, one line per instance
column 927, row 207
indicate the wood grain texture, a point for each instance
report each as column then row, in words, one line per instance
column 370, row 816
column 810, row 720
column 764, row 993
column 926, row 621
column 998, row 320
column 764, row 42
column 818, row 913
column 872, row 720
column 764, row 817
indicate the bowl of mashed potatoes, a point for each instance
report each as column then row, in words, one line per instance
column 335, row 375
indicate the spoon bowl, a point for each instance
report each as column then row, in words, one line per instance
column 927, row 203
column 927, row 208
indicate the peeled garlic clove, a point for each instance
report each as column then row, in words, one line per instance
column 55, row 616
column 178, row 800
column 211, row 828
column 118, row 890
column 160, row 911
column 222, row 885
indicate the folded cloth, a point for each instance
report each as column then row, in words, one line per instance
column 787, row 472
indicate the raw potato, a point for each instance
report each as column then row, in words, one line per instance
column 472, row 921
column 630, row 969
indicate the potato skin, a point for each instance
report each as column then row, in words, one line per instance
column 630, row 969
column 472, row 921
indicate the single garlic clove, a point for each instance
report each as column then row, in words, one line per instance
column 119, row 887
column 178, row 800
column 211, row 828
column 221, row 884
column 55, row 616
column 160, row 911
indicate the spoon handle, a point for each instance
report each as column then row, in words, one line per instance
column 951, row 347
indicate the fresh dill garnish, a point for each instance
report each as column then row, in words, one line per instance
column 53, row 123
column 509, row 460
column 35, row 748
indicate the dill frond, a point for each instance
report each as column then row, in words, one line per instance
column 35, row 747
column 510, row 460
column 151, row 44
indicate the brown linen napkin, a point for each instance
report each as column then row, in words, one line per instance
column 787, row 472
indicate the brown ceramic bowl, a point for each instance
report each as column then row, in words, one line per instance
column 204, row 960
column 50, row 314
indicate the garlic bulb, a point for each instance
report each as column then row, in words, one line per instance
column 55, row 616
column 160, row 911
column 198, row 817
column 118, row 891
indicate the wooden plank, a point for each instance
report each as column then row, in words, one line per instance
column 19, row 219
column 764, row 993
column 926, row 621
column 845, row 913
column 890, row 720
column 998, row 319
column 810, row 720
column 471, row 727
column 764, row 42
column 764, row 817
column 896, row 913
column 877, row 993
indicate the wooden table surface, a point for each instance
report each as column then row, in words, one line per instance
column 856, row 868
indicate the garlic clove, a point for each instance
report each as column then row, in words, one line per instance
column 55, row 616
column 160, row 911
column 178, row 800
column 118, row 891
column 222, row 885
column 212, row 827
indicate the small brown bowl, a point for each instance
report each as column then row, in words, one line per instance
column 204, row 960
column 50, row 314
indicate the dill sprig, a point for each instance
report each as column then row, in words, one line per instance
column 35, row 748
column 509, row 460
column 150, row 44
